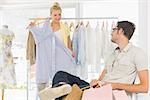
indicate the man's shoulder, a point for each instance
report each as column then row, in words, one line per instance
column 138, row 51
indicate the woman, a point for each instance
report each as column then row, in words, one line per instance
column 56, row 25
column 63, row 35
column 52, row 43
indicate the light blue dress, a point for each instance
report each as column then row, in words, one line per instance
column 51, row 55
column 78, row 42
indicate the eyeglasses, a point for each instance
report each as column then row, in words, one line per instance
column 116, row 28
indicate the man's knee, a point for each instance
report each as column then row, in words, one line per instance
column 61, row 73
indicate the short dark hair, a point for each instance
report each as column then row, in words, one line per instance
column 128, row 28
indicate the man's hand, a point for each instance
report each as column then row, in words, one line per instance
column 114, row 85
column 94, row 83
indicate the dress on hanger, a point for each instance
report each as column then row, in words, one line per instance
column 7, row 67
column 52, row 54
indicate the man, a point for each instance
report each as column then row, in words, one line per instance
column 121, row 68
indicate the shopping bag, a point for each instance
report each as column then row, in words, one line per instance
column 75, row 94
column 102, row 93
column 120, row 95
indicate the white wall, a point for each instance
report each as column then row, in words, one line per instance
column 1, row 18
column 144, row 24
column 149, row 33
column 149, row 40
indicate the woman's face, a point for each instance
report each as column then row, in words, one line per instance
column 56, row 15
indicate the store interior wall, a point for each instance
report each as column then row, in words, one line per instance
column 144, row 30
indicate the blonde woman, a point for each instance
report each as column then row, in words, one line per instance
column 52, row 43
column 63, row 35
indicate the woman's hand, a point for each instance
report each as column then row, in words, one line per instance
column 73, row 54
column 32, row 24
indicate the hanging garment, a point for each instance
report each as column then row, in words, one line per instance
column 78, row 43
column 83, row 69
column 7, row 67
column 75, row 44
column 90, row 45
column 81, row 49
column 98, row 48
column 31, row 49
column 108, row 46
column 52, row 55
column 103, row 39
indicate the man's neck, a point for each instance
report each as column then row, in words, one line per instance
column 122, row 44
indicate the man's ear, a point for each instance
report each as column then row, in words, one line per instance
column 121, row 31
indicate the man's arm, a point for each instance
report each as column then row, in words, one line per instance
column 102, row 75
column 141, row 87
column 95, row 82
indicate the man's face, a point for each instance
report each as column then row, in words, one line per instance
column 114, row 34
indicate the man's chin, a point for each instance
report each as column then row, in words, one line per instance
column 112, row 41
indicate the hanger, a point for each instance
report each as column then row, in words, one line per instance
column 35, row 22
column 71, row 26
column 102, row 28
column 66, row 23
column 87, row 24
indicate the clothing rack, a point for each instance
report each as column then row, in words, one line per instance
column 84, row 18
column 76, row 18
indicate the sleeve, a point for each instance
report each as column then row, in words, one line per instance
column 141, row 60
column 39, row 32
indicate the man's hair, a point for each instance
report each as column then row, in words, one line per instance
column 128, row 28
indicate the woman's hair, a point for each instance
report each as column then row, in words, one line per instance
column 55, row 7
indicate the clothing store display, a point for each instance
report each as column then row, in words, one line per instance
column 51, row 53
column 7, row 67
column 90, row 45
